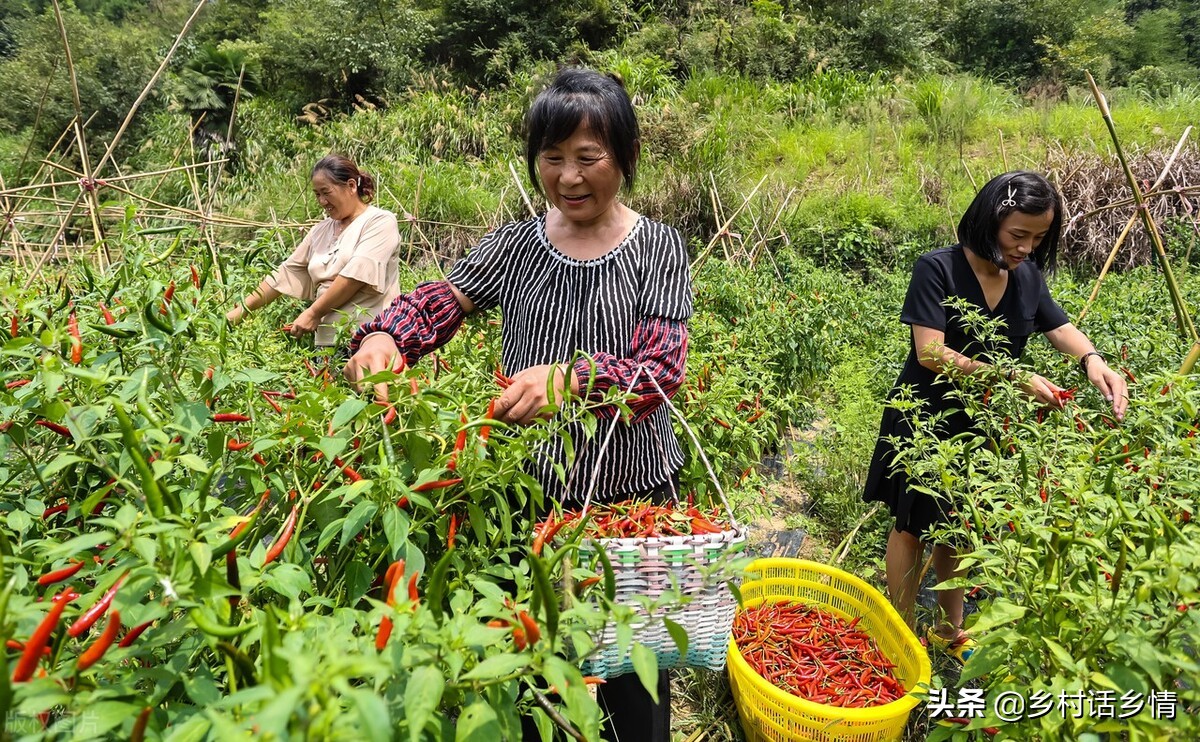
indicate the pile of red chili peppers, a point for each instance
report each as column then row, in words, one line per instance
column 634, row 519
column 815, row 655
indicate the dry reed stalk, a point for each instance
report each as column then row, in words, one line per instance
column 1129, row 225
column 724, row 227
column 1182, row 315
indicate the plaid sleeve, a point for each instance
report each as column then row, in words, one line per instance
column 420, row 321
column 660, row 346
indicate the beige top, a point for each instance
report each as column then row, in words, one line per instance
column 365, row 250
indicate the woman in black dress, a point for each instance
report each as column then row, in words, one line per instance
column 1007, row 236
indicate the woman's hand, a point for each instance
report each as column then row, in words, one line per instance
column 305, row 323
column 236, row 315
column 526, row 396
column 1110, row 384
column 377, row 353
column 1043, row 390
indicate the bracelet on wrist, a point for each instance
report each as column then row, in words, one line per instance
column 1083, row 360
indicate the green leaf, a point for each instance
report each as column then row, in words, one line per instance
column 983, row 661
column 358, row 517
column 102, row 716
column 373, row 714
column 497, row 667
column 645, row 664
column 678, row 634
column 1000, row 612
column 421, row 698
column 287, row 580
column 395, row 527
column 59, row 463
column 253, row 376
column 478, row 723
column 1060, row 653
column 201, row 555
column 347, row 411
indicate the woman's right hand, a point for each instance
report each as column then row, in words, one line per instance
column 1043, row 390
column 235, row 315
column 378, row 352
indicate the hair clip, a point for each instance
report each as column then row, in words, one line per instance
column 1010, row 201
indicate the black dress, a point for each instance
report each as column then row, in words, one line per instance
column 1025, row 307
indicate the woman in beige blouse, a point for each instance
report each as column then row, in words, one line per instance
column 345, row 265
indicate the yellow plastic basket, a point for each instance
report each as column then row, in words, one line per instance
column 772, row 715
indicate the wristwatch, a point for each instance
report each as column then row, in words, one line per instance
column 1083, row 360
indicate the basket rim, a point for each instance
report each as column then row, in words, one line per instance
column 739, row 532
column 904, row 704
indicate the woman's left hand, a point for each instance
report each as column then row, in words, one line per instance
column 526, row 396
column 1111, row 384
column 306, row 322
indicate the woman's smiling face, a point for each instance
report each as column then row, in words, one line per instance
column 339, row 200
column 580, row 177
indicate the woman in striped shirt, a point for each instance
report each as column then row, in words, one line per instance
column 591, row 291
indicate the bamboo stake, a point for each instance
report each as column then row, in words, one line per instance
column 1003, row 153
column 1176, row 191
column 1112, row 255
column 1190, row 361
column 704, row 253
column 1182, row 317
column 521, row 188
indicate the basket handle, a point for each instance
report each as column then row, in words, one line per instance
column 612, row 427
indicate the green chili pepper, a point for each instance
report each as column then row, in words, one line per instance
column 154, row 495
column 541, row 582
column 212, row 628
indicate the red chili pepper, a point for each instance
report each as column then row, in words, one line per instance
column 436, row 485
column 91, row 615
column 16, row 384
column 258, row 459
column 450, row 532
column 230, row 417
column 392, row 577
column 41, row 635
column 132, row 635
column 76, row 340
column 485, row 431
column 61, row 430
column 236, row 445
column 167, row 296
column 389, row 415
column 274, row 405
column 92, row 654
column 138, row 734
column 459, row 444
column 59, row 575
column 402, row 503
column 349, row 471
column 1129, row 375
column 413, row 595
column 285, row 535
column 50, row 512
column 722, row 423
column 756, row 416
column 501, row 379
column 109, row 319
column 532, row 632
column 14, row 328
column 195, row 276
column 519, row 638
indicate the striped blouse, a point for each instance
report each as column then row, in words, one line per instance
column 624, row 309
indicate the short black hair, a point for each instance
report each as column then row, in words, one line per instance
column 580, row 96
column 1023, row 191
